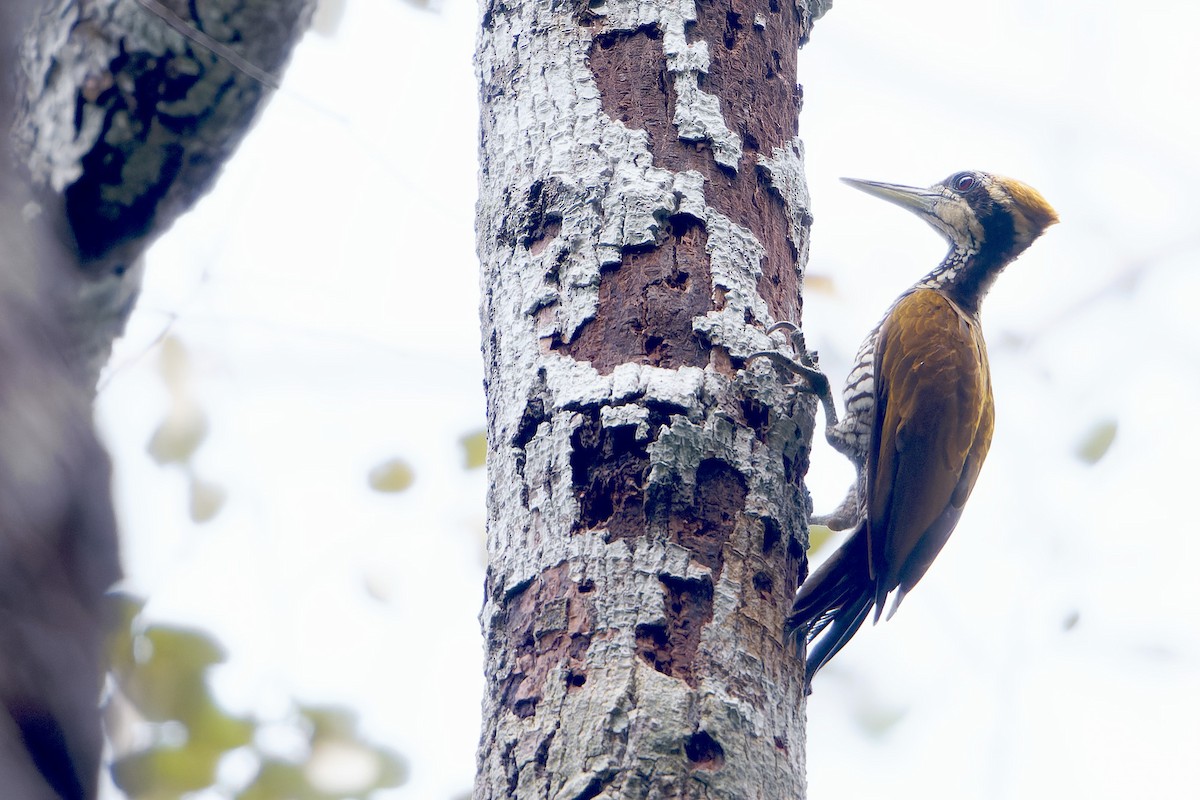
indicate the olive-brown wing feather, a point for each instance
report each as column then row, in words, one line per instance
column 933, row 404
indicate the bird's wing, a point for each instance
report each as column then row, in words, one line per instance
column 932, row 428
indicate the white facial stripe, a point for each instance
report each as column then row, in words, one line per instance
column 959, row 223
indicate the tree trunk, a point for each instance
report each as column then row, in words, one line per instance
column 122, row 121
column 643, row 219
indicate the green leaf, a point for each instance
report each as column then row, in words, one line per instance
column 205, row 499
column 168, row 684
column 211, row 725
column 330, row 722
column 342, row 762
column 393, row 770
column 474, row 447
column 184, row 648
column 163, row 672
column 393, row 475
column 166, row 772
column 277, row 779
column 174, row 363
column 1097, row 441
column 180, row 433
column 876, row 720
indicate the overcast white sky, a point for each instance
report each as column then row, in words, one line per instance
column 327, row 293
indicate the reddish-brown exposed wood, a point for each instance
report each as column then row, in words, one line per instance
column 648, row 302
column 548, row 623
column 749, row 71
column 703, row 523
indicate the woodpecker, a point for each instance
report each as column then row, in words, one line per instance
column 919, row 408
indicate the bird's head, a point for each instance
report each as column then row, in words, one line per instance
column 977, row 212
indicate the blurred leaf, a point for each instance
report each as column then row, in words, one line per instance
column 213, row 726
column 205, row 499
column 818, row 535
column 343, row 763
column 168, row 684
column 179, row 434
column 1097, row 441
column 876, row 720
column 393, row 475
column 184, row 648
column 474, row 449
column 1070, row 620
column 166, row 772
column 342, row 768
column 277, row 779
column 820, row 283
column 330, row 722
column 393, row 769
column 163, row 672
column 174, row 364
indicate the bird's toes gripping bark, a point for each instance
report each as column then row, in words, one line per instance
column 802, row 363
column 845, row 516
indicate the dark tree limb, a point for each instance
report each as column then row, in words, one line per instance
column 126, row 120
column 122, row 123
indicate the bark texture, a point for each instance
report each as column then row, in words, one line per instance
column 121, row 123
column 129, row 110
column 643, row 219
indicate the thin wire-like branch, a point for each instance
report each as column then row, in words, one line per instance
column 207, row 42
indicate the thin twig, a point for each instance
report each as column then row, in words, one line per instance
column 207, row 42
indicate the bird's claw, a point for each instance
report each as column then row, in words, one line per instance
column 803, row 364
column 816, row 381
column 796, row 340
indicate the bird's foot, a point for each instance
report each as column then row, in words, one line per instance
column 802, row 363
column 800, row 350
column 845, row 516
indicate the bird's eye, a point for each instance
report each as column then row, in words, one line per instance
column 963, row 182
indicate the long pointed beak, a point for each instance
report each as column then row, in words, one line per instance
column 921, row 201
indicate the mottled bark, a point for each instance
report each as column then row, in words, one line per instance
column 643, row 219
column 121, row 123
column 125, row 122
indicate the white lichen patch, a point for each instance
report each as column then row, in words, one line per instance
column 698, row 116
column 785, row 170
column 625, row 416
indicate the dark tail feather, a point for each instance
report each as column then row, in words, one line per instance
column 846, row 622
column 838, row 596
